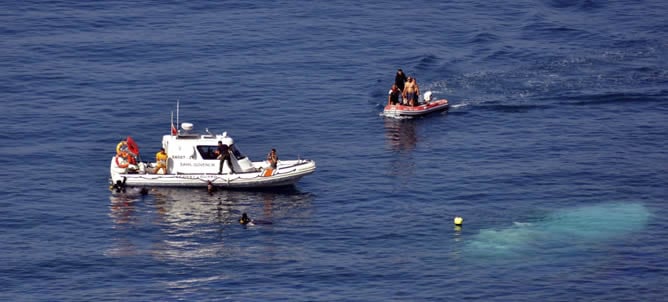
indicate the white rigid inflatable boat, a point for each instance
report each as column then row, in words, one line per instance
column 192, row 163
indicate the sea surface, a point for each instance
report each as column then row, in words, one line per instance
column 554, row 150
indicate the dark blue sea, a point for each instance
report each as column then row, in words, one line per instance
column 554, row 150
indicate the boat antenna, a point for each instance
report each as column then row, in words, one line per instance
column 173, row 131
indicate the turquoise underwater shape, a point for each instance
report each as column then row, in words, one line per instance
column 574, row 228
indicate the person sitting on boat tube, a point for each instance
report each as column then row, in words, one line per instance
column 393, row 97
column 272, row 158
column 223, row 153
column 161, row 161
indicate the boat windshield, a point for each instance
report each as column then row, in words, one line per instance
column 209, row 152
column 237, row 153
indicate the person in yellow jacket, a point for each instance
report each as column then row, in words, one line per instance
column 161, row 161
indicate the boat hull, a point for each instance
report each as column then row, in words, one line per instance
column 286, row 174
column 414, row 111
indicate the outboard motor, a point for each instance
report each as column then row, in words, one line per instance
column 427, row 97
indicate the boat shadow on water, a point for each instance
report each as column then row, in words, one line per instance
column 183, row 224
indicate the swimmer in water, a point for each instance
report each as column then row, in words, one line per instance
column 210, row 188
column 245, row 219
column 119, row 186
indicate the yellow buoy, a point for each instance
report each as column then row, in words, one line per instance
column 459, row 220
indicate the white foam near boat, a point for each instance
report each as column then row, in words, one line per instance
column 424, row 108
column 192, row 162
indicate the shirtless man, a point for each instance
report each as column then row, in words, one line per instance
column 409, row 92
column 416, row 95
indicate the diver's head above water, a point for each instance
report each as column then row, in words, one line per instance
column 244, row 219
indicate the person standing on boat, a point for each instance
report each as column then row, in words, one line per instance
column 223, row 153
column 400, row 79
column 394, row 94
column 416, row 92
column 161, row 161
column 272, row 158
column 409, row 93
